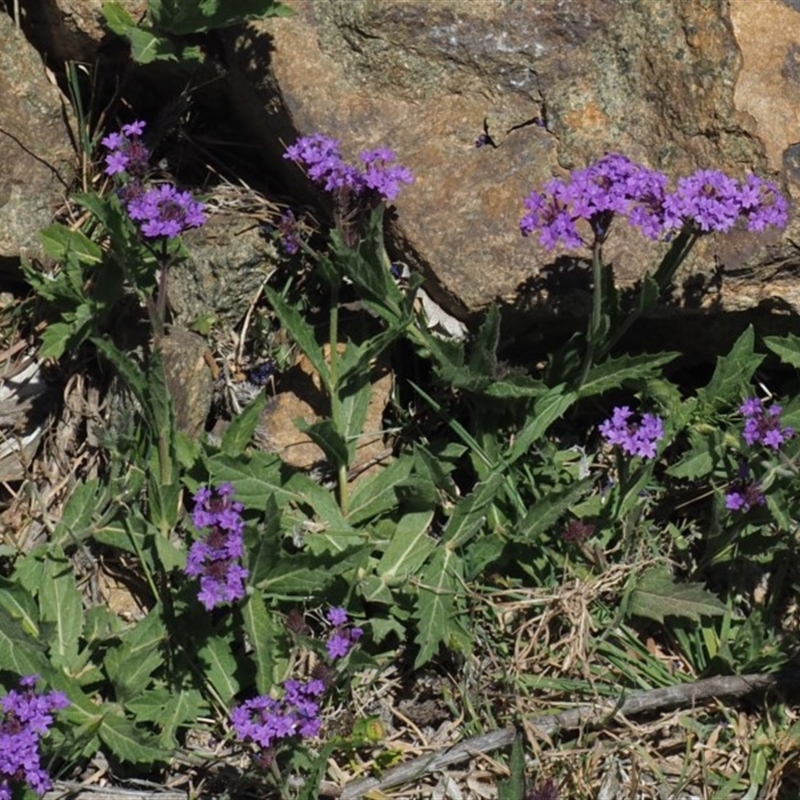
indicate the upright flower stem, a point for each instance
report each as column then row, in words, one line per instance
column 337, row 413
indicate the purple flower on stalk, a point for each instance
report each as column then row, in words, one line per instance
column 763, row 425
column 27, row 717
column 165, row 211
column 634, row 439
column 380, row 179
column 215, row 558
column 614, row 185
column 708, row 199
column 762, row 204
column 744, row 493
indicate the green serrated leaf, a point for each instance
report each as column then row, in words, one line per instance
column 302, row 333
column 547, row 409
column 239, row 433
column 733, row 373
column 658, row 595
column 21, row 605
column 131, row 663
column 436, row 612
column 408, row 548
column 19, row 652
column 787, row 348
column 470, row 513
column 377, row 494
column 613, row 372
column 324, row 434
column 60, row 603
column 117, row 18
column 128, row 742
column 220, row 667
column 262, row 631
column 548, row 510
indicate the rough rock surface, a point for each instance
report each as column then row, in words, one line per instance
column 677, row 84
column 36, row 155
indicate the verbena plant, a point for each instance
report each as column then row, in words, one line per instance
column 528, row 478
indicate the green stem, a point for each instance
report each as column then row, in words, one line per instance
column 337, row 414
column 596, row 320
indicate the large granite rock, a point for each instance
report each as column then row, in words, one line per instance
column 36, row 157
column 676, row 84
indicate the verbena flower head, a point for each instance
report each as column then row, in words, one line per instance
column 27, row 717
column 706, row 201
column 127, row 153
column 265, row 720
column 288, row 231
column 614, row 185
column 215, row 558
column 763, row 425
column 165, row 211
column 379, row 178
column 633, row 438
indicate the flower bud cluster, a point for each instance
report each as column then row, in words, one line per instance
column 634, row 438
column 216, row 558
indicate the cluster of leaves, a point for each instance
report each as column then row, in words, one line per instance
column 165, row 35
column 483, row 498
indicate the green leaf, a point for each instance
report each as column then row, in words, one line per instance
column 128, row 742
column 548, row 510
column 180, row 19
column 257, row 477
column 88, row 500
column 220, row 667
column 239, row 433
column 62, row 242
column 60, row 603
column 470, row 513
column 15, row 599
column 436, row 612
column 408, row 548
column 19, row 652
column 117, row 18
column 613, row 372
column 131, row 664
column 302, row 333
column 262, row 632
column 733, row 373
column 547, row 409
column 513, row 788
column 377, row 494
column 700, row 459
column 658, row 595
column 787, row 348
column 324, row 434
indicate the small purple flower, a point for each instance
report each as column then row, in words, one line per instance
column 337, row 616
column 707, row 199
column 634, row 439
column 215, row 558
column 763, row 425
column 27, row 717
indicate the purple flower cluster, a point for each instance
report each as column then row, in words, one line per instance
column 379, row 177
column 163, row 210
column 264, row 720
column 159, row 211
column 215, row 558
column 289, row 232
column 763, row 425
column 706, row 201
column 635, row 439
column 127, row 153
column 28, row 716
column 343, row 636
